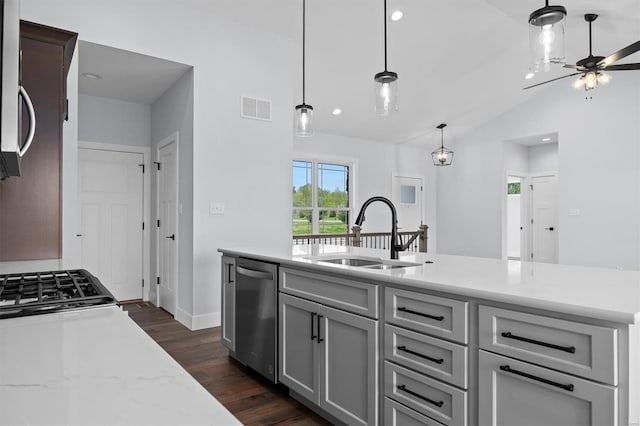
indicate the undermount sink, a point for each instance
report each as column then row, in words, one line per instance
column 367, row 262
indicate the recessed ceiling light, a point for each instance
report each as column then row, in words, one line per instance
column 529, row 75
column 396, row 15
column 336, row 111
column 91, row 75
column 546, row 139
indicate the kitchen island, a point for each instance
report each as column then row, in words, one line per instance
column 454, row 340
column 95, row 367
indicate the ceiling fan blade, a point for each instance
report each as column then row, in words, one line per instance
column 573, row 67
column 555, row 79
column 623, row 67
column 622, row 53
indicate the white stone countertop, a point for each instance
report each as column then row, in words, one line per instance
column 95, row 367
column 599, row 293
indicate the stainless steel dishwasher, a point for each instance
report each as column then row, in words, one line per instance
column 256, row 311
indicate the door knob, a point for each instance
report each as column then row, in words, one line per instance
column 549, row 228
column 172, row 236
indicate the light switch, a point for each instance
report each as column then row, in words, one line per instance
column 574, row 212
column 216, row 207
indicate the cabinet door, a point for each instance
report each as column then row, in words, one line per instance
column 515, row 393
column 229, row 302
column 349, row 369
column 298, row 368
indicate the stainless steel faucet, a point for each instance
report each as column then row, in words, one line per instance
column 394, row 246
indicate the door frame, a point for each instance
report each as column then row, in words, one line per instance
column 525, row 214
column 146, row 204
column 172, row 138
column 556, row 175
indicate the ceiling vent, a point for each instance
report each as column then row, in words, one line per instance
column 257, row 109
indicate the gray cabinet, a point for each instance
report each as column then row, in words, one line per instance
column 228, row 302
column 330, row 357
column 515, row 393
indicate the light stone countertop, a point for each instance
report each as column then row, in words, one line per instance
column 599, row 293
column 95, row 367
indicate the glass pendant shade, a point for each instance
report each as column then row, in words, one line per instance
column 386, row 92
column 442, row 156
column 303, row 120
column 546, row 37
column 591, row 80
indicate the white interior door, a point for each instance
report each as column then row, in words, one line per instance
column 406, row 195
column 110, row 187
column 544, row 226
column 167, row 231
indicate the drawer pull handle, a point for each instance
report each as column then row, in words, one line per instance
column 409, row 311
column 539, row 379
column 320, row 339
column 313, row 315
column 403, row 388
column 427, row 357
column 570, row 349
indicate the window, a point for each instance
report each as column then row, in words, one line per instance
column 321, row 197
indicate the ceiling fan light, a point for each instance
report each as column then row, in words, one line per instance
column 546, row 37
column 579, row 83
column 590, row 80
column 603, row 78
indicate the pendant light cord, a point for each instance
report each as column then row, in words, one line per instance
column 385, row 35
column 303, row 49
column 442, row 139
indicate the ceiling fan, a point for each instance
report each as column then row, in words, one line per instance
column 592, row 67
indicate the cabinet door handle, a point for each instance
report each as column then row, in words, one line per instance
column 403, row 388
column 320, row 339
column 508, row 369
column 409, row 311
column 508, row 335
column 427, row 357
column 313, row 315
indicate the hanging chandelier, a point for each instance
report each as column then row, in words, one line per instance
column 442, row 156
column 546, row 36
column 303, row 112
column 386, row 82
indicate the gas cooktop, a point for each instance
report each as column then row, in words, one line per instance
column 44, row 292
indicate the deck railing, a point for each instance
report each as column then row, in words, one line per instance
column 378, row 240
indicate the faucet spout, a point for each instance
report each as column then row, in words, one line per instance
column 394, row 246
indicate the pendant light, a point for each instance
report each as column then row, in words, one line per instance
column 303, row 112
column 546, row 36
column 386, row 82
column 442, row 156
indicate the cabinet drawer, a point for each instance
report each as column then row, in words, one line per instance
column 430, row 397
column 398, row 415
column 581, row 349
column 518, row 393
column 352, row 296
column 429, row 355
column 438, row 316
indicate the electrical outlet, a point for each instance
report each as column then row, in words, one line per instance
column 216, row 208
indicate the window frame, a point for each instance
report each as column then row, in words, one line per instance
column 315, row 209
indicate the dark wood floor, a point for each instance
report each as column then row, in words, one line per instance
column 253, row 400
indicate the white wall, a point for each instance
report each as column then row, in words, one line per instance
column 375, row 163
column 113, row 121
column 607, row 232
column 543, row 158
column 173, row 113
column 230, row 154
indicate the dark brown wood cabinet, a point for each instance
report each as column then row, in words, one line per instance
column 31, row 205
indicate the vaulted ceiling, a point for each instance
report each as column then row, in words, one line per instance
column 459, row 61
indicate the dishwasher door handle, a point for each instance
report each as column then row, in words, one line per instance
column 254, row 274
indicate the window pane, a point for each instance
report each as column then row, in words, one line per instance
column 301, row 224
column 302, row 178
column 333, row 185
column 407, row 194
column 333, row 222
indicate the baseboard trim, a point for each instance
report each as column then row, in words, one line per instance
column 198, row 322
